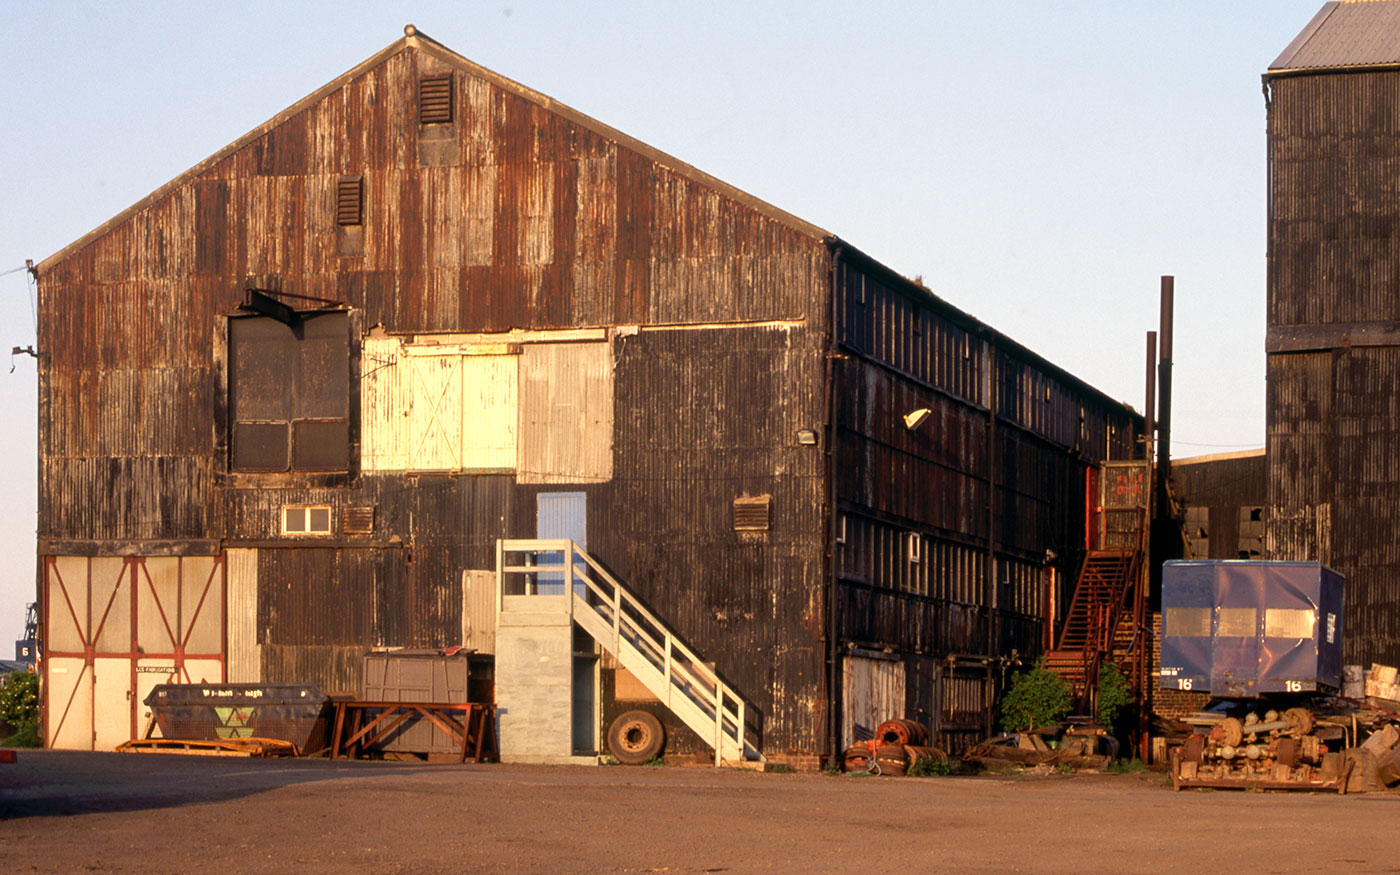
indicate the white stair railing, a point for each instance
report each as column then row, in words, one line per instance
column 642, row 644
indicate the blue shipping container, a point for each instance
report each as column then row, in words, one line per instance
column 1242, row 628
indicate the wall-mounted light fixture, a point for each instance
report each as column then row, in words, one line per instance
column 806, row 437
column 915, row 418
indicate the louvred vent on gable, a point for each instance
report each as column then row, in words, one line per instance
column 349, row 200
column 435, row 99
column 752, row 514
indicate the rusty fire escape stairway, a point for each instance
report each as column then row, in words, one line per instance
column 1101, row 622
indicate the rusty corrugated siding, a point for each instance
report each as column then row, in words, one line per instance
column 511, row 217
column 693, row 436
column 995, row 473
column 1223, row 498
column 1333, row 352
column 521, row 214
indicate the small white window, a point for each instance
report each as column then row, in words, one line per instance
column 916, row 548
column 841, row 528
column 306, row 520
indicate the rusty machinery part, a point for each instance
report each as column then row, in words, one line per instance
column 891, row 759
column 858, row 757
column 636, row 737
column 1273, row 751
column 1228, row 732
column 1300, row 720
column 918, row 753
column 902, row 732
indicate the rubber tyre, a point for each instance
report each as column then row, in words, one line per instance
column 635, row 737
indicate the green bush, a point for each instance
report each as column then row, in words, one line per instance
column 19, row 707
column 931, row 766
column 1127, row 767
column 26, row 735
column 1115, row 694
column 1035, row 698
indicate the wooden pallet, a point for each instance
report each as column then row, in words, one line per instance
column 226, row 747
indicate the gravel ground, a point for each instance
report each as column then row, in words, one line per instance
column 64, row 811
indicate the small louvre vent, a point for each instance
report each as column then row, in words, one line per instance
column 435, row 100
column 359, row 520
column 349, row 200
column 752, row 514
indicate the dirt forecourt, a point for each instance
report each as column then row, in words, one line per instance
column 72, row 812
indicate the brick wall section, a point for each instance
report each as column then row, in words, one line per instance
column 1169, row 704
column 796, row 762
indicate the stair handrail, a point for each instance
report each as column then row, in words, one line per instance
column 695, row 670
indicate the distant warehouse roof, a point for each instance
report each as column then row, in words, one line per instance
column 1348, row 33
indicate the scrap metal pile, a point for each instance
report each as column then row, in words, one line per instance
column 1081, row 746
column 1270, row 751
column 1347, row 744
column 899, row 747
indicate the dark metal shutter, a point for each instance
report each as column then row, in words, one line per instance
column 349, row 200
column 260, row 446
column 359, row 520
column 435, row 99
column 320, row 445
column 752, row 514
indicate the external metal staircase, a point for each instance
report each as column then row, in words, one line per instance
column 640, row 642
column 1102, row 620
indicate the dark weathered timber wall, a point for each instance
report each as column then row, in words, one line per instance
column 1334, row 352
column 994, row 475
column 514, row 216
column 1220, row 497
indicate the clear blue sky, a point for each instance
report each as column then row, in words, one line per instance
column 1039, row 164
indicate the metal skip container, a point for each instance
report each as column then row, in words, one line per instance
column 1244, row 628
column 413, row 675
column 297, row 713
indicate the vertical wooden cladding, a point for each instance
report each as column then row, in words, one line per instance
column 537, row 220
column 889, row 326
column 705, row 416
column 935, row 474
column 1221, row 496
column 1334, row 143
column 1334, row 480
column 929, row 342
column 1333, row 417
column 986, row 484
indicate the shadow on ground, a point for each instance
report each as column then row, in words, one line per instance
column 49, row 782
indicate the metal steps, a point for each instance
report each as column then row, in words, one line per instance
column 1100, row 623
column 640, row 641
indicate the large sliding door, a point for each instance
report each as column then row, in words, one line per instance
column 114, row 627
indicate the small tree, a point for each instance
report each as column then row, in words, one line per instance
column 1035, row 698
column 1115, row 694
column 19, row 704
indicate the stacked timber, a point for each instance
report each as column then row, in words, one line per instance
column 1381, row 683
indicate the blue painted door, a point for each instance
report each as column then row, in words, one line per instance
column 560, row 515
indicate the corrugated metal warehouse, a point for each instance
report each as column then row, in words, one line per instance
column 1222, row 498
column 477, row 314
column 1333, row 346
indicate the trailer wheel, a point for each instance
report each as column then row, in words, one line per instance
column 635, row 737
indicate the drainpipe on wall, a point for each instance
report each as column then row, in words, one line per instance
column 833, row 687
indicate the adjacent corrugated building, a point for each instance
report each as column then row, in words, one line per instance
column 292, row 399
column 1333, row 342
column 1222, row 498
